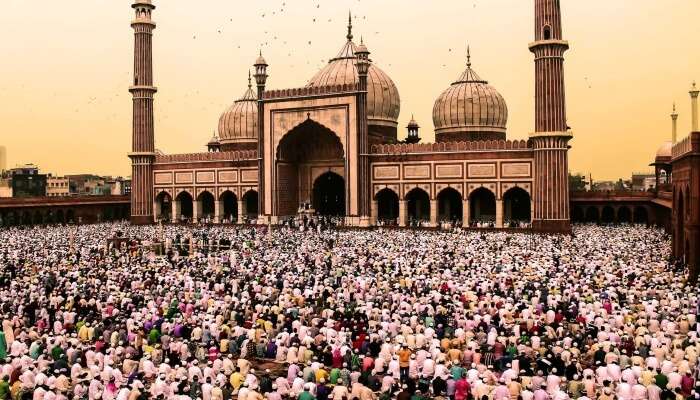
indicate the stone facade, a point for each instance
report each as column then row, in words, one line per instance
column 316, row 149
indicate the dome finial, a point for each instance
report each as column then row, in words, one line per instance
column 349, row 36
column 469, row 57
column 250, row 84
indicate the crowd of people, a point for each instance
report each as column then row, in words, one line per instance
column 227, row 312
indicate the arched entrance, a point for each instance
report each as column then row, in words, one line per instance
column 418, row 203
column 230, row 203
column 450, row 205
column 250, row 200
column 329, row 194
column 302, row 151
column 482, row 204
column 592, row 215
column 184, row 205
column 680, row 227
column 608, row 215
column 624, row 215
column 205, row 201
column 70, row 216
column 517, row 207
column 164, row 206
column 60, row 217
column 641, row 216
column 387, row 206
column 577, row 214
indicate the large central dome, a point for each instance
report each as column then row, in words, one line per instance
column 383, row 102
column 470, row 109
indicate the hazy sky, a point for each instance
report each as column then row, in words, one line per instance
column 66, row 66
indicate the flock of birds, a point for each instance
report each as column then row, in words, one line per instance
column 298, row 50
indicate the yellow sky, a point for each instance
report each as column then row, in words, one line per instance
column 66, row 67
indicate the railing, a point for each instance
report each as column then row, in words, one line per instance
column 208, row 156
column 683, row 147
column 449, row 146
column 664, row 195
column 610, row 195
column 67, row 200
column 310, row 91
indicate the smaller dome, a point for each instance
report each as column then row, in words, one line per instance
column 470, row 109
column 214, row 141
column 412, row 123
column 239, row 123
column 260, row 60
column 664, row 152
column 383, row 101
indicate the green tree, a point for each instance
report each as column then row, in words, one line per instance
column 577, row 182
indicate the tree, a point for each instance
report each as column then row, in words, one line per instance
column 577, row 182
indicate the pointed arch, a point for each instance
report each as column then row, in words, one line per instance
column 482, row 204
column 418, row 204
column 387, row 206
column 449, row 204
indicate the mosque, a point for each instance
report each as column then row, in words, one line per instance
column 331, row 147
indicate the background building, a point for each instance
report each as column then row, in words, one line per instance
column 27, row 181
column 57, row 186
column 643, row 181
column 3, row 158
column 5, row 185
column 330, row 147
column 119, row 186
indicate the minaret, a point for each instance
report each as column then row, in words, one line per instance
column 143, row 150
column 412, row 128
column 364, row 192
column 694, row 107
column 674, row 125
column 260, row 80
column 551, row 136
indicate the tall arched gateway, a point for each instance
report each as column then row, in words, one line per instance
column 310, row 170
column 329, row 194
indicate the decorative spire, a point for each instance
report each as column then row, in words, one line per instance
column 249, row 82
column 469, row 57
column 349, row 36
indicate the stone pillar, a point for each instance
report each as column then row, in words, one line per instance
column 499, row 213
column 196, row 211
column 260, row 80
column 142, row 153
column 433, row 213
column 674, row 125
column 156, row 210
column 694, row 107
column 551, row 136
column 218, row 210
column 374, row 213
column 402, row 212
column 465, row 213
column 241, row 211
column 175, row 214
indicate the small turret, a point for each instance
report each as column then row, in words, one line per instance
column 412, row 128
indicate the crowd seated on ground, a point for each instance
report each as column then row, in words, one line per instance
column 232, row 312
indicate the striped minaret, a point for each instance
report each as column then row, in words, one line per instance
column 142, row 149
column 551, row 136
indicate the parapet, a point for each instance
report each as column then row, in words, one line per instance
column 238, row 155
column 682, row 147
column 311, row 91
column 485, row 145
